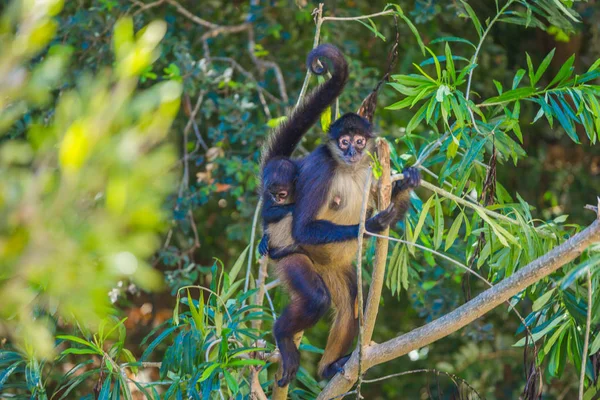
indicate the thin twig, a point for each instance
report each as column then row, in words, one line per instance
column 587, row 334
column 379, row 14
column 272, row 285
column 469, row 204
column 428, row 371
column 252, row 240
column 318, row 17
column 437, row 253
column 194, row 18
column 248, row 75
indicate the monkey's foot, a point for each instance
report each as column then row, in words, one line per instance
column 290, row 363
column 335, row 367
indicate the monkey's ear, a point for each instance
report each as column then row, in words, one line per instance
column 368, row 106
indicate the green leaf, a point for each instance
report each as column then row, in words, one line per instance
column 517, row 79
column 208, row 372
column 511, row 95
column 543, row 66
column 424, row 73
column 542, row 300
column 450, row 63
column 78, row 340
column 73, row 350
column 326, row 119
column 474, row 18
column 414, row 31
column 105, row 391
column 550, row 342
column 438, row 68
column 453, row 232
column 558, row 318
column 530, row 70
column 454, row 39
column 372, row 27
column 244, row 362
column 564, row 120
column 198, row 319
column 237, row 266
column 6, row 373
column 422, row 218
column 595, row 346
column 416, row 119
column 231, row 382
column 565, row 71
column 439, row 224
column 503, row 235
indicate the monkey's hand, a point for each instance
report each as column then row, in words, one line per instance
column 263, row 246
column 412, row 179
column 381, row 221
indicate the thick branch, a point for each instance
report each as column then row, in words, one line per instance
column 381, row 249
column 467, row 313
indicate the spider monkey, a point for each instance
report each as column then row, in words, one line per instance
column 324, row 220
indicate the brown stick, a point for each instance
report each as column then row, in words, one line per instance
column 280, row 393
column 467, row 313
column 381, row 249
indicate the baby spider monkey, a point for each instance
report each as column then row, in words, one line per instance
column 278, row 193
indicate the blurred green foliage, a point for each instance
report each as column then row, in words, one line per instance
column 81, row 196
column 90, row 177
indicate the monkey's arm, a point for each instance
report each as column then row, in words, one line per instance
column 275, row 213
column 312, row 188
column 263, row 246
column 401, row 191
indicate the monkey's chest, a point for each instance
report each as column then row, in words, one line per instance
column 280, row 233
column 342, row 207
column 344, row 199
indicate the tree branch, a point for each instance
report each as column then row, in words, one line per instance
column 467, row 313
column 381, row 249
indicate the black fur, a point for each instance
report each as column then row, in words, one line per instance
column 286, row 137
column 314, row 179
column 310, row 302
column 350, row 123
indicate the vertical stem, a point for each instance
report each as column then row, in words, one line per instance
column 260, row 284
column 361, row 233
column 381, row 249
column 587, row 334
column 319, row 22
column 252, row 239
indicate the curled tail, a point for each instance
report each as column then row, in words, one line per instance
column 284, row 139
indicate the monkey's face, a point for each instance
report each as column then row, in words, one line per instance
column 351, row 148
column 281, row 194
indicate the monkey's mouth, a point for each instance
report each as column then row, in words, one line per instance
column 353, row 158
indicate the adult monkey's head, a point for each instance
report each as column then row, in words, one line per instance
column 350, row 139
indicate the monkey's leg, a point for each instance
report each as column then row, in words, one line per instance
column 310, row 300
column 342, row 286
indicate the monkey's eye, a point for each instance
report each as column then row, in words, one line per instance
column 360, row 141
column 344, row 142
